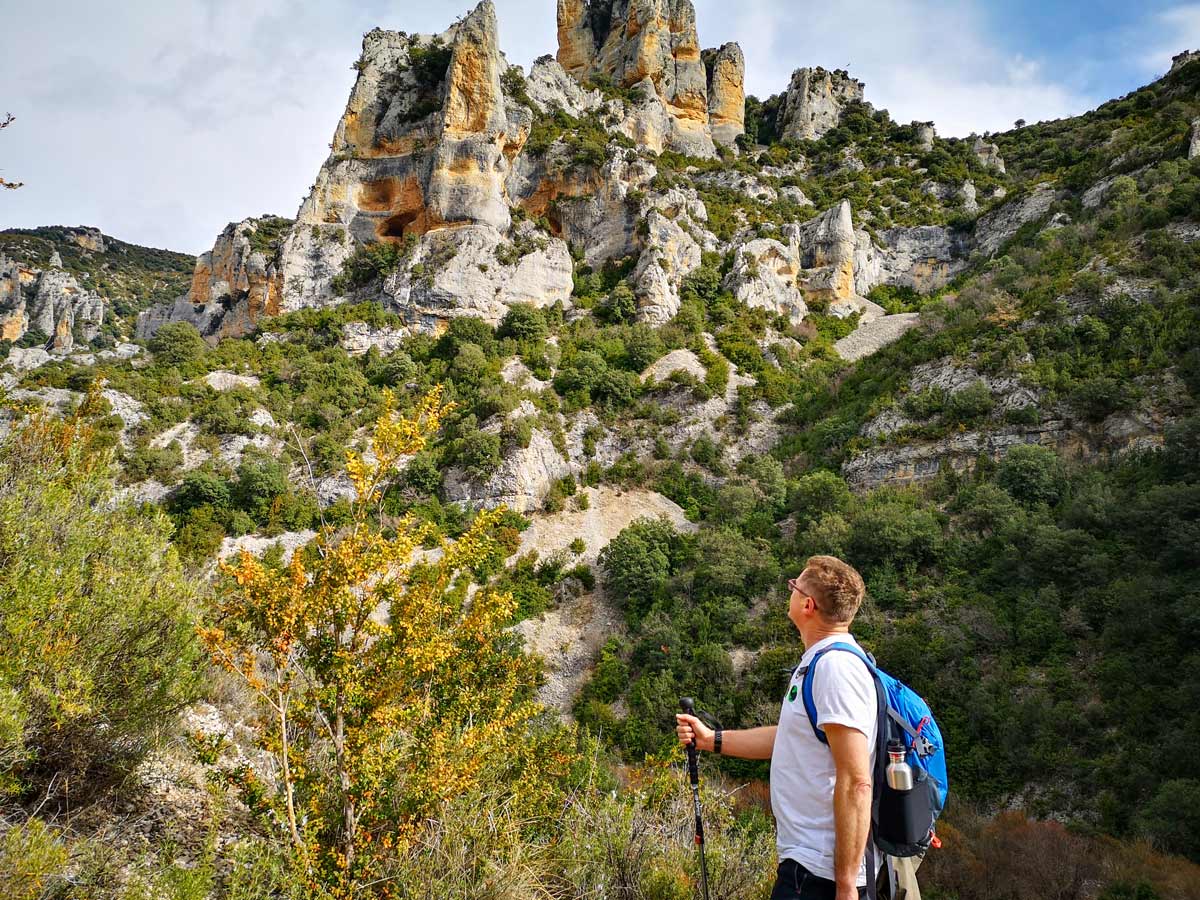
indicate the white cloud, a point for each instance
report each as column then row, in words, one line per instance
column 1165, row 34
column 920, row 59
column 161, row 122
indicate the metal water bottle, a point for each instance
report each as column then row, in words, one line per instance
column 899, row 773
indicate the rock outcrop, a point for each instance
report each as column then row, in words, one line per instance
column 654, row 43
column 923, row 257
column 49, row 303
column 826, row 253
column 419, row 148
column 814, row 103
column 726, row 70
column 234, row 286
column 988, row 154
column 1182, row 59
column 925, row 135
column 999, row 226
column 1194, row 140
column 475, row 271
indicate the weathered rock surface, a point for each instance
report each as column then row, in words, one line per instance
column 875, row 335
column 922, row 257
column 726, row 70
column 825, row 247
column 764, row 276
column 655, row 43
column 814, row 103
column 521, row 483
column 670, row 254
column 569, row 637
column 359, row 337
column 49, row 302
column 1194, row 140
column 234, row 286
column 988, row 154
column 925, row 135
column 476, row 271
column 996, row 228
column 551, row 88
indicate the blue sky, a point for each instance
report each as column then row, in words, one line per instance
column 159, row 121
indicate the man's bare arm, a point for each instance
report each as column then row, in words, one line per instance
column 851, row 804
column 744, row 743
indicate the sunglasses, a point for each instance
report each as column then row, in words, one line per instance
column 794, row 584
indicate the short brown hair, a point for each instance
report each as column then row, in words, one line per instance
column 836, row 586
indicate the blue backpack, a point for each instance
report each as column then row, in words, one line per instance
column 902, row 822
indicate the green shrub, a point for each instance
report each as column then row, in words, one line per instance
column 177, row 344
column 1032, row 475
column 95, row 614
column 637, row 564
column 33, row 862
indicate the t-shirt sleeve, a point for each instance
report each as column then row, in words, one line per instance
column 844, row 693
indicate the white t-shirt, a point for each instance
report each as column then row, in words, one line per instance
column 802, row 770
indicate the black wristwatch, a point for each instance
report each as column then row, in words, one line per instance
column 717, row 741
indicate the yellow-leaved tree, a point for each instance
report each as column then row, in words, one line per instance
column 389, row 690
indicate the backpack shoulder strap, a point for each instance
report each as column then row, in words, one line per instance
column 806, row 690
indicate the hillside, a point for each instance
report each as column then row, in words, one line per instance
column 691, row 338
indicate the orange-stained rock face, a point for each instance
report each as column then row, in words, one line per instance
column 470, row 100
column 402, row 199
column 200, row 291
column 13, row 327
column 576, row 44
column 656, row 40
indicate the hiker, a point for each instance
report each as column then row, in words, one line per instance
column 820, row 794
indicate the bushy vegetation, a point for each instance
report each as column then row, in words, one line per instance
column 129, row 277
column 96, row 613
column 1044, row 602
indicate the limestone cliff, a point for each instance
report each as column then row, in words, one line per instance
column 726, row 70
column 234, row 285
column 654, row 43
column 814, row 102
column 48, row 303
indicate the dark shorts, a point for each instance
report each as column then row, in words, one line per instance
column 795, row 882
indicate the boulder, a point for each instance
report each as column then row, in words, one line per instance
column 813, row 104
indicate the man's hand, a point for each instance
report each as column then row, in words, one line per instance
column 689, row 727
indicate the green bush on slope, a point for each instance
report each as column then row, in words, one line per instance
column 97, row 648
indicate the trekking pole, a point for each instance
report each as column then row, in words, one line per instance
column 688, row 705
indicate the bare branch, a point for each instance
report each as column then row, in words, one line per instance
column 8, row 119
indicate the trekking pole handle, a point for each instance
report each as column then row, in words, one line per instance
column 688, row 705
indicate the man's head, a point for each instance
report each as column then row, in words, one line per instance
column 828, row 592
